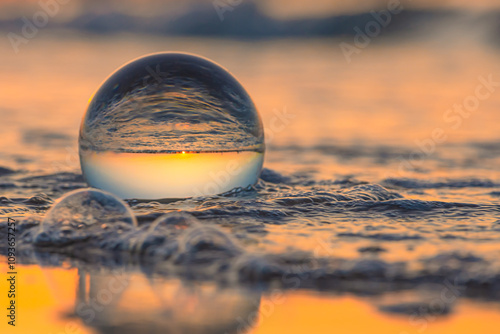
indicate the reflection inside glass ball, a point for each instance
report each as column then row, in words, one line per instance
column 171, row 125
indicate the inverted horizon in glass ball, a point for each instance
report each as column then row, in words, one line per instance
column 171, row 125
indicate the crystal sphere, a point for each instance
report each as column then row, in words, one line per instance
column 171, row 125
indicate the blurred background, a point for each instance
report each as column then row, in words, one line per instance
column 365, row 74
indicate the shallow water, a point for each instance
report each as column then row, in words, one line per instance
column 376, row 201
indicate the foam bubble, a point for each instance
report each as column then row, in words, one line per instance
column 83, row 212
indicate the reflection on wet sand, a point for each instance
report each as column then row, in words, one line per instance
column 129, row 302
column 120, row 302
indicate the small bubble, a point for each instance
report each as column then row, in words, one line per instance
column 174, row 221
column 81, row 214
column 206, row 244
column 165, row 229
column 87, row 207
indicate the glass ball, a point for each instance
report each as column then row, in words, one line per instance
column 171, row 125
